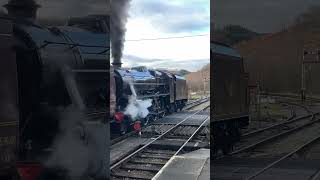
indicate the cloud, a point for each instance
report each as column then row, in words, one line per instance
column 140, row 59
column 174, row 16
column 188, row 64
column 150, row 19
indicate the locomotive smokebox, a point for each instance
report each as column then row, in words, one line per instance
column 22, row 9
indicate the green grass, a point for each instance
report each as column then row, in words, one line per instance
column 271, row 111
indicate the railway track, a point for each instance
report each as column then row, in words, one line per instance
column 291, row 138
column 281, row 141
column 291, row 96
column 196, row 103
column 191, row 105
column 253, row 139
column 298, row 149
column 260, row 137
column 146, row 161
column 281, row 159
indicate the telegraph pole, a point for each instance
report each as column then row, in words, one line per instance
column 203, row 81
column 303, row 88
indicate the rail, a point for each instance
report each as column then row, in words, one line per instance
column 120, row 138
column 295, row 151
column 196, row 103
column 266, row 140
column 118, row 164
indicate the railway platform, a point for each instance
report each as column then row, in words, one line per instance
column 190, row 166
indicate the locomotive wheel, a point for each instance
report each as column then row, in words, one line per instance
column 227, row 149
column 145, row 121
column 173, row 108
column 123, row 128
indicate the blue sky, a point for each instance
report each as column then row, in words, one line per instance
column 151, row 19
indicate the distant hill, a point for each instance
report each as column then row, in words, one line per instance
column 233, row 34
column 181, row 72
column 274, row 60
column 200, row 80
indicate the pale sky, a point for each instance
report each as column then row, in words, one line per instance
column 150, row 19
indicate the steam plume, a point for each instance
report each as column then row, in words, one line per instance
column 80, row 147
column 119, row 16
column 138, row 108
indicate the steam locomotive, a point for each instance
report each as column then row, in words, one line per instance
column 230, row 97
column 45, row 70
column 167, row 91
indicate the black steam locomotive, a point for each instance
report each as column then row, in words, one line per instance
column 230, row 96
column 44, row 71
column 166, row 91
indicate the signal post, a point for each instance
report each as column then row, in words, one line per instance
column 309, row 56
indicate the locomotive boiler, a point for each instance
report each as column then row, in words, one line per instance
column 44, row 71
column 166, row 92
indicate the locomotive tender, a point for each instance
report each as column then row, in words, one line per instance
column 230, row 96
column 45, row 70
column 167, row 91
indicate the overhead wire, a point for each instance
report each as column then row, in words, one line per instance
column 164, row 38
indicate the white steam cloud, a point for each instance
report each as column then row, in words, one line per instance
column 80, row 147
column 137, row 108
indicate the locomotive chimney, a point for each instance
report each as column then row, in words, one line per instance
column 116, row 63
column 22, row 9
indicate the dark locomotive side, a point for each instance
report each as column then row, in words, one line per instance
column 166, row 92
column 230, row 97
column 44, row 71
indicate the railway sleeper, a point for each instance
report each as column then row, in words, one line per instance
column 134, row 174
column 159, row 151
column 143, row 167
column 148, row 161
column 175, row 145
column 154, row 155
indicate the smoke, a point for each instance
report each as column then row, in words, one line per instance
column 119, row 16
column 137, row 108
column 80, row 147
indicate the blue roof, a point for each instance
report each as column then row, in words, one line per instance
column 141, row 75
column 225, row 50
column 179, row 77
column 136, row 75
